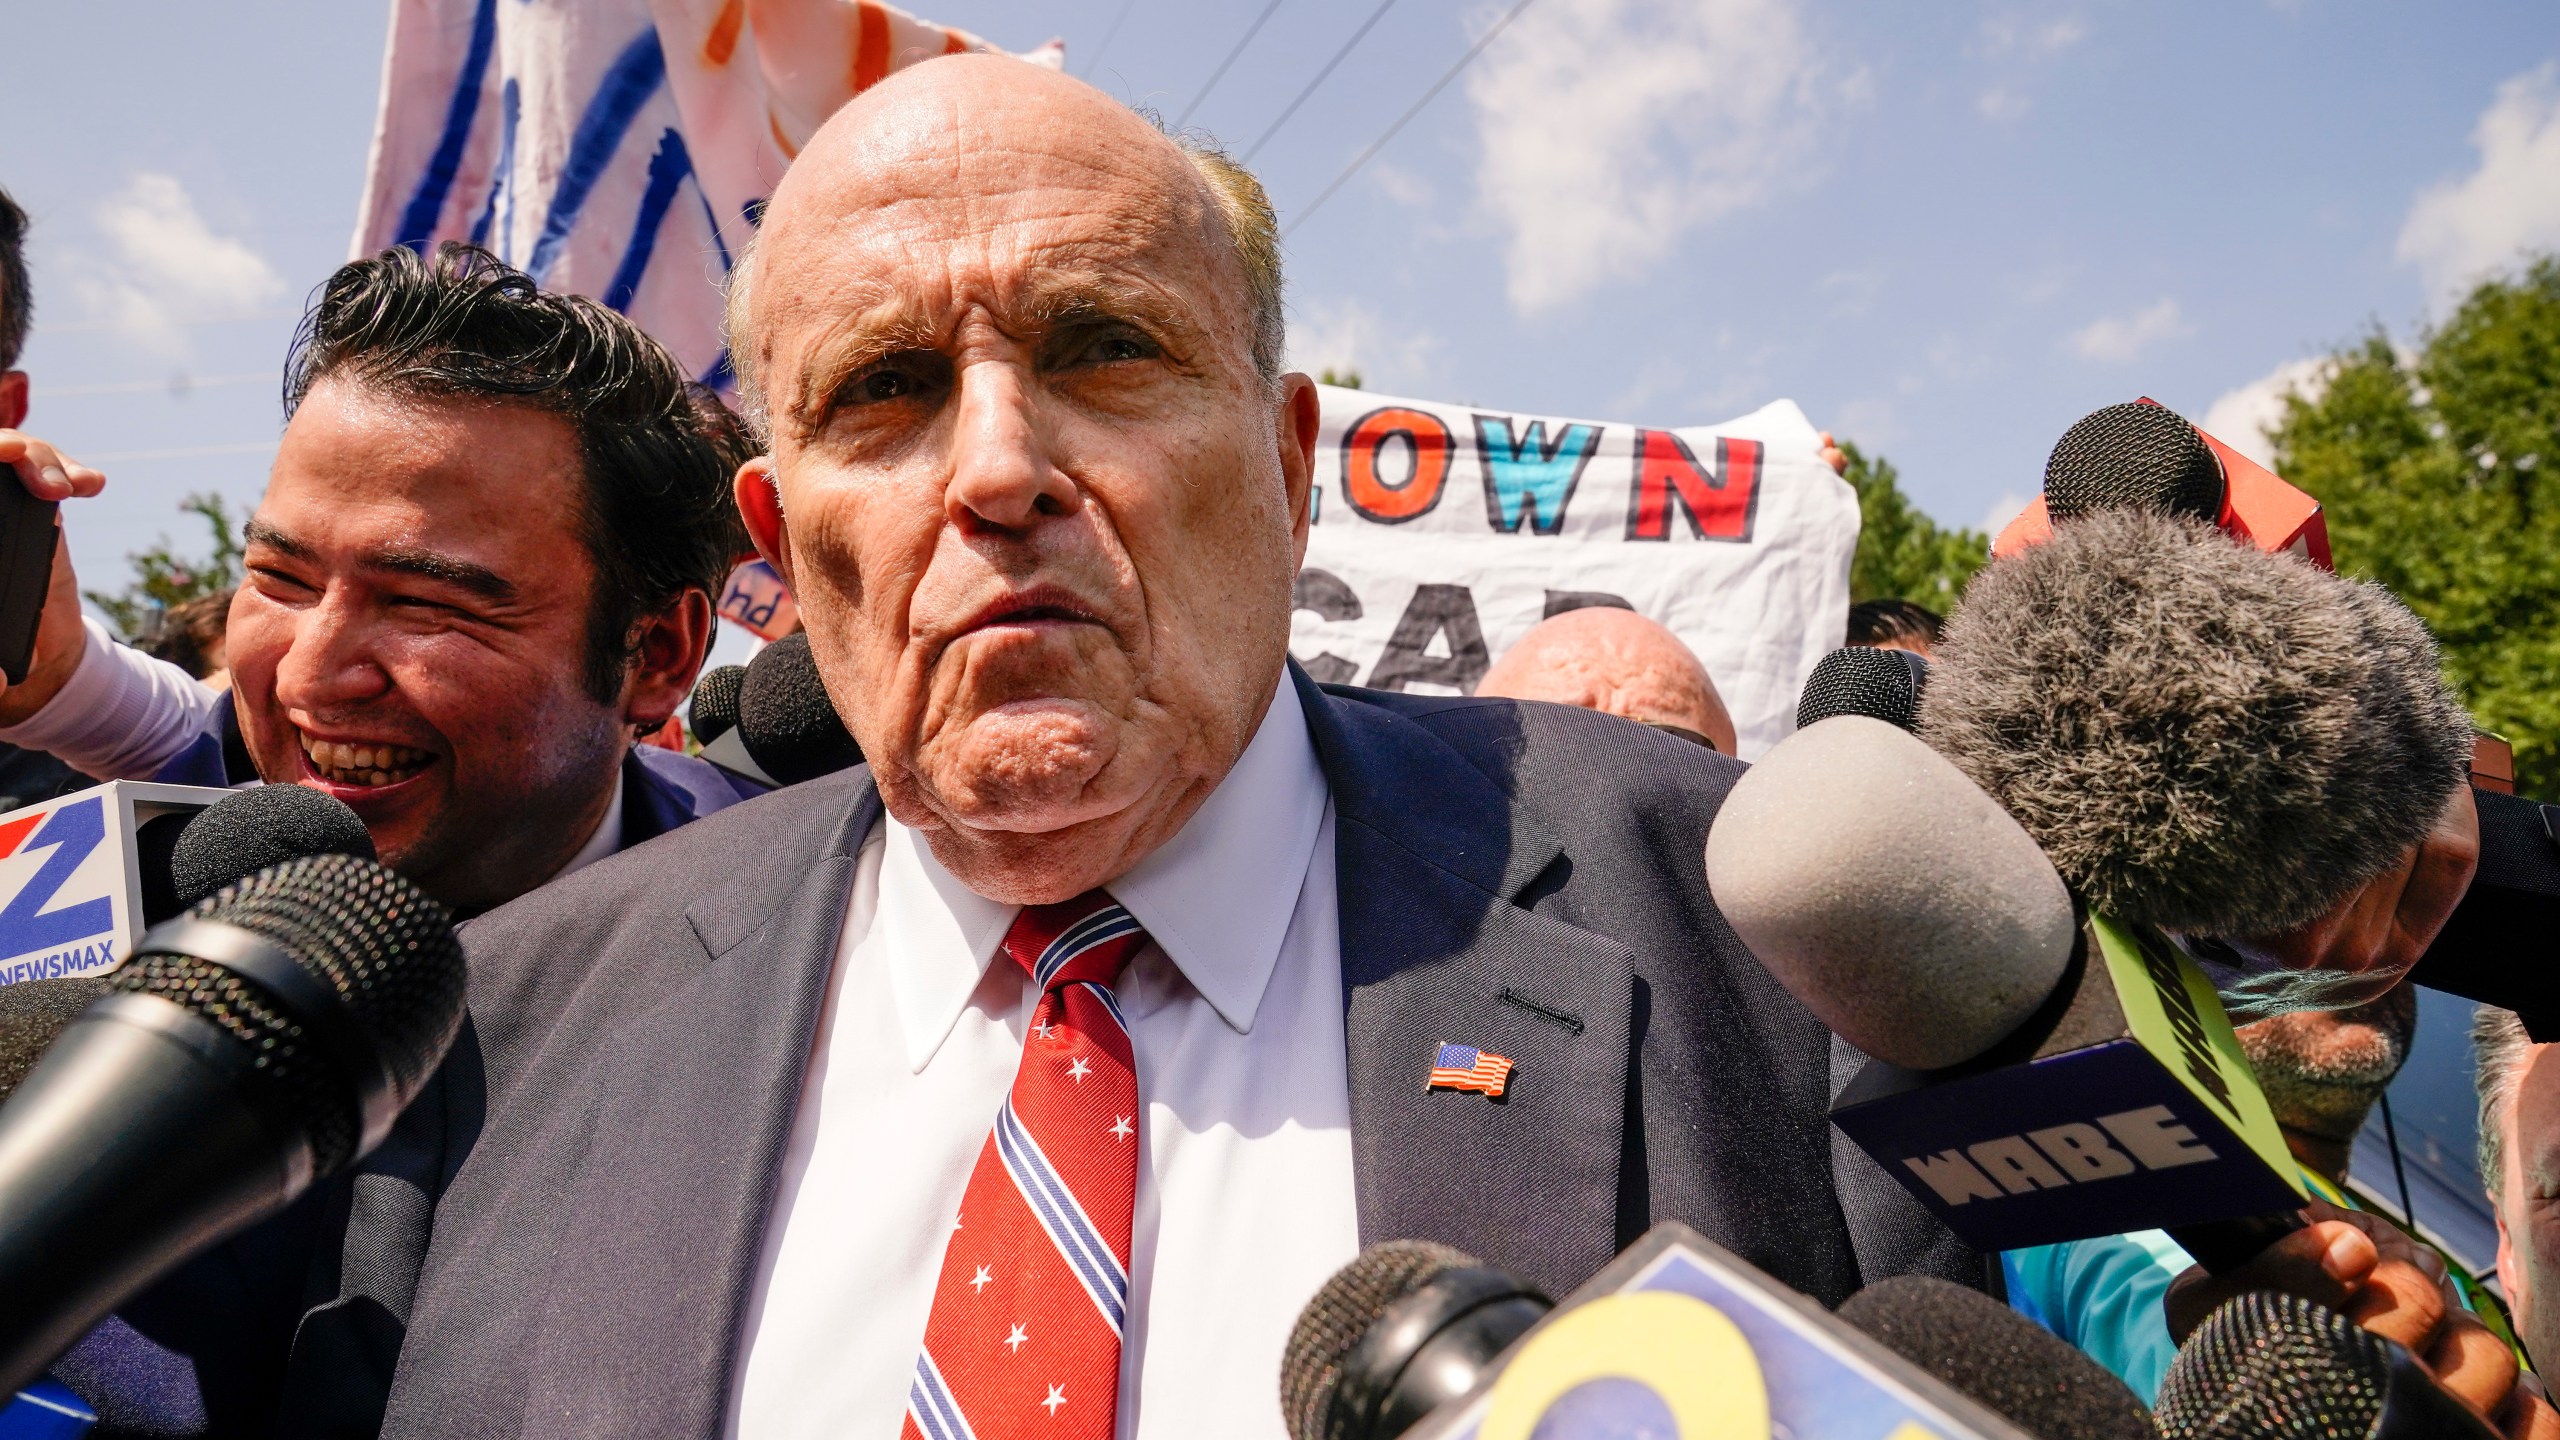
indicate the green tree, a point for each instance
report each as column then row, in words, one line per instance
column 2437, row 471
column 163, row 578
column 1903, row 554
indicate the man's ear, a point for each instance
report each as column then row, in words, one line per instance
column 666, row 656
column 13, row 399
column 1301, row 416
column 759, row 498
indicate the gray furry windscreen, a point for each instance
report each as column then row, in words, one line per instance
column 2201, row 735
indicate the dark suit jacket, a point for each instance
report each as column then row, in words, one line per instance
column 560, row 1238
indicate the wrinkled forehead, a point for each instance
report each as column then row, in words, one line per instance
column 938, row 200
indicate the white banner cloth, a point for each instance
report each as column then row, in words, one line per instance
column 618, row 149
column 1443, row 532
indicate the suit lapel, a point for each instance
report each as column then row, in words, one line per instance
column 1431, row 856
column 694, row 1107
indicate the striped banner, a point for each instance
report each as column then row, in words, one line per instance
column 620, row 149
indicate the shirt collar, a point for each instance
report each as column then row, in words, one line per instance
column 1216, row 898
column 608, row 833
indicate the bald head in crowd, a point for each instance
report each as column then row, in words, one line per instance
column 1619, row 663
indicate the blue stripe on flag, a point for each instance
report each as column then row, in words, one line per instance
column 1056, row 1208
column 667, row 170
column 418, row 218
column 510, row 107
column 628, row 82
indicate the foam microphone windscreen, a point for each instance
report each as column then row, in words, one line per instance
column 1342, row 1311
column 2134, row 457
column 1998, row 1358
column 2271, row 1366
column 1881, row 684
column 2203, row 736
column 249, row 830
column 1888, row 893
column 785, row 718
column 33, row 1013
column 714, row 710
column 380, row 999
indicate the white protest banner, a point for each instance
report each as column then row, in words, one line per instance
column 1443, row 532
column 618, row 149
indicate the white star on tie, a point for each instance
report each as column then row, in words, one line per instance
column 1121, row 1127
column 1079, row 1070
column 980, row 1280
column 1044, row 1031
column 1057, row 1397
column 1017, row 1340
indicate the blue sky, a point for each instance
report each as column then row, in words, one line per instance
column 1946, row 230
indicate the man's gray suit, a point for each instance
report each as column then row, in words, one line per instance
column 560, row 1238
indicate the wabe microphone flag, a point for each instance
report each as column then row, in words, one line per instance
column 619, row 149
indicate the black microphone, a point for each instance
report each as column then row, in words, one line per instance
column 2134, row 457
column 788, row 730
column 264, row 1040
column 2011, row 1365
column 714, row 710
column 2270, row 1366
column 33, row 1014
column 1878, row 683
column 249, row 830
column 1401, row 1330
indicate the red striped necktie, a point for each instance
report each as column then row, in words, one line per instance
column 1024, row 1339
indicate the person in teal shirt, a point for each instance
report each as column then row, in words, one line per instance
column 2322, row 1072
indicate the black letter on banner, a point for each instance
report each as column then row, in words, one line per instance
column 1436, row 610
column 1559, row 601
column 1718, row 506
column 1323, row 592
column 1526, row 477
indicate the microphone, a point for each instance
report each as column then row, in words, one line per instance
column 1999, row 1358
column 2146, row 457
column 788, row 730
column 248, row 830
column 1880, row 684
column 264, row 1040
column 1401, row 1330
column 2270, row 1366
column 2040, row 1074
column 1676, row 1336
column 33, row 1014
column 2202, row 736
column 714, row 710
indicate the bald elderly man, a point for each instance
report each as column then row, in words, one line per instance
column 1029, row 1079
column 1618, row 663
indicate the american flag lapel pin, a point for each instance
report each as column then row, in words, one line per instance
column 1464, row 1067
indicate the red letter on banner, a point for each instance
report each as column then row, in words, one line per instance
column 1368, row 491
column 1719, row 506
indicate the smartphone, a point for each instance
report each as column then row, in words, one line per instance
column 27, row 527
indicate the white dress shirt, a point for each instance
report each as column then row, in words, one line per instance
column 1245, row 1201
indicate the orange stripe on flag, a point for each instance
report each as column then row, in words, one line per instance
column 871, row 47
column 789, row 150
column 722, row 42
column 15, row 831
column 952, row 44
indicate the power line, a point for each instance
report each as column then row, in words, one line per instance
column 1347, row 47
column 1415, row 109
column 1221, row 73
column 1111, row 34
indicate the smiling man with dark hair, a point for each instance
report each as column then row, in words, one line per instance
column 485, row 560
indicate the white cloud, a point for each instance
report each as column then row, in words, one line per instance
column 2117, row 339
column 2001, row 105
column 1350, row 335
column 2013, row 34
column 2242, row 417
column 2003, row 509
column 1852, row 292
column 161, row 266
column 1612, row 128
column 2462, row 229
column 1401, row 185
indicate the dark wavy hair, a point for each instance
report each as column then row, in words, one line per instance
column 659, row 450
column 17, row 299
